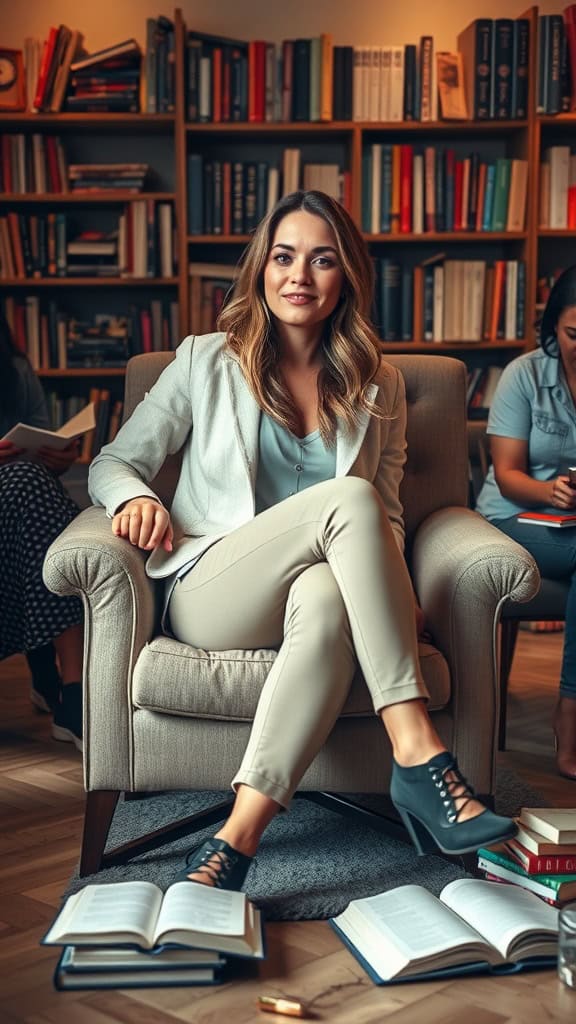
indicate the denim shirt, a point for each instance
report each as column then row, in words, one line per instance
column 532, row 403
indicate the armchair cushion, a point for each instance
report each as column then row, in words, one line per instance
column 172, row 678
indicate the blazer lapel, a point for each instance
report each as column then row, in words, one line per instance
column 245, row 417
column 349, row 442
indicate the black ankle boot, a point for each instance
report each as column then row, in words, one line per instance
column 222, row 865
column 46, row 683
column 424, row 798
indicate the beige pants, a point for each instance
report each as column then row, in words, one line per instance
column 320, row 577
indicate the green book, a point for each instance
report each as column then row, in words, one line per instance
column 501, row 192
column 498, row 863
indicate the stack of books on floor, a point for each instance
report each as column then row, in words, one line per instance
column 131, row 935
column 542, row 856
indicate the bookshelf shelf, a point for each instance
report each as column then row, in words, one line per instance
column 91, row 282
column 557, row 233
column 558, row 120
column 85, row 371
column 438, row 237
column 84, row 198
column 247, row 128
column 86, row 122
column 423, row 347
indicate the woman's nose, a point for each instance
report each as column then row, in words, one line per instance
column 300, row 269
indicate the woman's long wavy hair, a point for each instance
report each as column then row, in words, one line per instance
column 350, row 348
column 563, row 294
column 9, row 378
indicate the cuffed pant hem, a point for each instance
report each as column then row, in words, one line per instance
column 259, row 782
column 399, row 694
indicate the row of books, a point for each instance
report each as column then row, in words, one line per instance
column 56, row 340
column 107, row 413
column 408, row 191
column 450, row 300
column 310, row 79
column 556, row 86
column 557, row 203
column 231, row 197
column 49, row 245
column 542, row 856
column 210, row 286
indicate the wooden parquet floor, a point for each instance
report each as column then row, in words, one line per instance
column 41, row 806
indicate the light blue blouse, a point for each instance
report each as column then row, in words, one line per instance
column 532, row 403
column 288, row 464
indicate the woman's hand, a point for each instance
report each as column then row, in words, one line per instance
column 59, row 460
column 563, row 495
column 145, row 523
column 8, row 452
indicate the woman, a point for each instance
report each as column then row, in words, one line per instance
column 286, row 526
column 34, row 509
column 532, row 424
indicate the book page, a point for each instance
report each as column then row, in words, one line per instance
column 32, row 438
column 502, row 913
column 409, row 925
column 127, row 909
column 201, row 908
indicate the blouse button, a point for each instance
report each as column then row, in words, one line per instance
column 298, row 467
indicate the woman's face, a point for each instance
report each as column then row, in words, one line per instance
column 303, row 278
column 566, row 334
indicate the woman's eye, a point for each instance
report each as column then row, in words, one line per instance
column 282, row 258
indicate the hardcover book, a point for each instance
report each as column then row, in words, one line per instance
column 498, row 862
column 94, row 967
column 474, row 927
column 139, row 914
column 559, row 521
column 555, row 823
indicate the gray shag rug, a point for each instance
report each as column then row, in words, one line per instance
column 311, row 862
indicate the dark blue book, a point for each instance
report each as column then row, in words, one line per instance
column 218, row 199
column 554, row 87
column 407, row 307
column 488, row 197
column 208, row 197
column 301, row 80
column 428, row 304
column 520, row 54
column 367, row 189
column 250, row 215
column 521, row 300
column 237, row 198
column 543, row 63
column 390, row 300
column 262, row 172
column 475, row 44
column 503, row 51
column 195, row 175
column 410, row 65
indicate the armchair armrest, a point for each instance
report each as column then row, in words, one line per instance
column 119, row 615
column 463, row 570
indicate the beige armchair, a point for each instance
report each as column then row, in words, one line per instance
column 159, row 715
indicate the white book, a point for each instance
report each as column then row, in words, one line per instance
column 376, row 198
column 385, row 81
column 438, row 304
column 30, row 439
column 205, row 90
column 559, row 159
column 396, row 111
column 511, row 293
column 375, row 89
column 477, row 286
column 366, row 51
column 409, row 933
column 139, row 914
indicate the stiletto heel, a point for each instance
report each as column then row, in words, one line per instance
column 430, row 799
column 418, row 833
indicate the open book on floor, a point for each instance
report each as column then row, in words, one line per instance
column 32, row 438
column 474, row 927
column 139, row 914
column 90, row 967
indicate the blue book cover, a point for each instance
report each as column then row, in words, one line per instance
column 488, row 197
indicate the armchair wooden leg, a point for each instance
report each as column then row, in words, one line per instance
column 100, row 807
column 508, row 634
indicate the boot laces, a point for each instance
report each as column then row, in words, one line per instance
column 452, row 786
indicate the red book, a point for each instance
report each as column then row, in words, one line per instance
column 256, row 79
column 227, row 86
column 16, row 242
column 406, row 162
column 458, row 182
column 146, row 331
column 20, row 327
column 217, row 84
column 542, row 864
column 54, row 182
column 559, row 521
column 572, row 206
column 449, row 173
column 497, row 297
column 44, row 73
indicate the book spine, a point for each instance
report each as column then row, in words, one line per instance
column 390, row 296
column 520, row 69
column 553, row 90
column 483, row 76
column 503, row 47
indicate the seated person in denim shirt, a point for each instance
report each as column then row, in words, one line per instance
column 532, row 424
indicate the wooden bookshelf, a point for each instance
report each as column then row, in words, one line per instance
column 173, row 137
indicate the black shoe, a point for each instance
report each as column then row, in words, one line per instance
column 424, row 797
column 223, row 866
column 46, row 683
column 67, row 725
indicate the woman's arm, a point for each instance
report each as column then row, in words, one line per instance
column 510, row 460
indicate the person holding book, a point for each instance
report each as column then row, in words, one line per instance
column 532, row 428
column 286, row 526
column 34, row 509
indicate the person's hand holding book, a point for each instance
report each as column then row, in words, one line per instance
column 8, row 452
column 59, row 460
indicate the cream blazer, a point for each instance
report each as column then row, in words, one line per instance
column 202, row 405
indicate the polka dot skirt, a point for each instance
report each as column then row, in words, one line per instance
column 34, row 509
